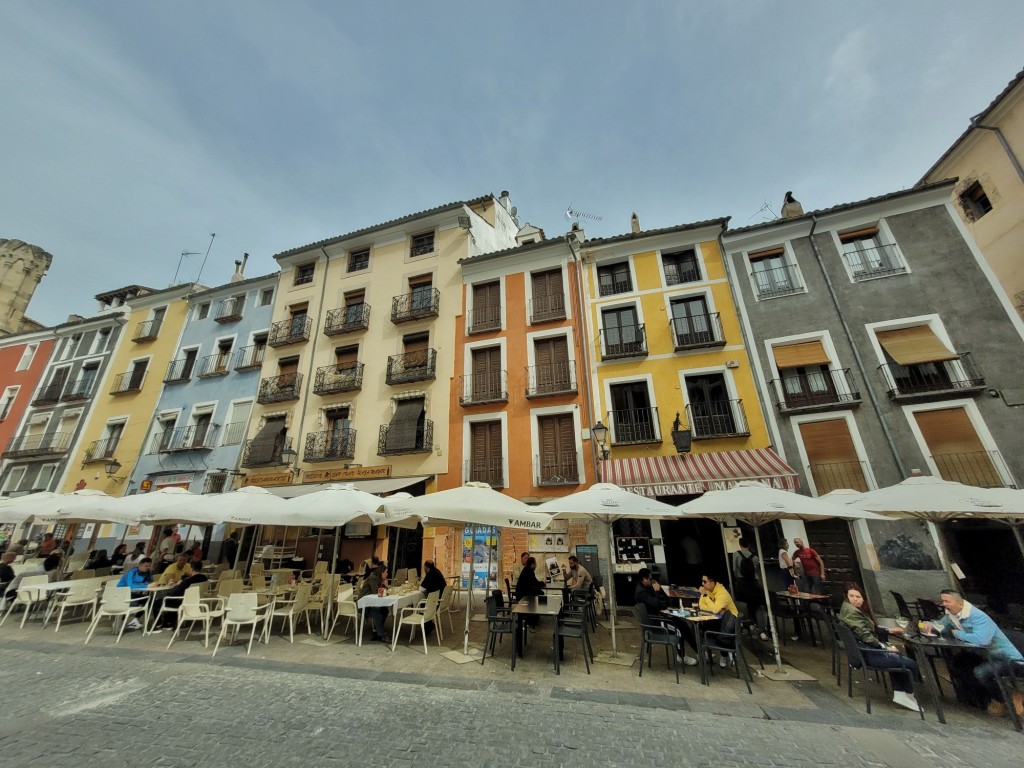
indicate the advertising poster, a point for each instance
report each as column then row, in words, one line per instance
column 478, row 554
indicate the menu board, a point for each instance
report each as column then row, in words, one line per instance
column 633, row 549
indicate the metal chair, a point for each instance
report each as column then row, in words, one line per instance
column 572, row 624
column 1012, row 680
column 911, row 612
column 657, row 632
column 855, row 659
column 928, row 610
column 726, row 639
column 498, row 624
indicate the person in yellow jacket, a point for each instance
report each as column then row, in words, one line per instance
column 715, row 598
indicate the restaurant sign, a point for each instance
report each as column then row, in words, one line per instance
column 280, row 478
column 349, row 473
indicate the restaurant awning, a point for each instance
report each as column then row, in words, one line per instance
column 383, row 485
column 694, row 473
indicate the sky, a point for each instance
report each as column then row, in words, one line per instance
column 131, row 131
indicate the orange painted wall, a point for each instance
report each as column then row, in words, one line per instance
column 27, row 380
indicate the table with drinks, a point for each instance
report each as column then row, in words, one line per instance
column 395, row 599
column 920, row 638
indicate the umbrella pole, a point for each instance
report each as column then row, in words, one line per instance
column 768, row 602
column 469, row 597
column 611, row 585
column 1017, row 535
column 728, row 560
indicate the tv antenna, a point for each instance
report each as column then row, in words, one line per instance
column 212, row 236
column 184, row 255
column 766, row 208
column 572, row 214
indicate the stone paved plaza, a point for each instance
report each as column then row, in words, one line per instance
column 310, row 703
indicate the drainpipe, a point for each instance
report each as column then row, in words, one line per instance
column 582, row 345
column 1014, row 161
column 856, row 352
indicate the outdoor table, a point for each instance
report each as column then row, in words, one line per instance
column 806, row 598
column 681, row 593
column 151, row 592
column 532, row 606
column 945, row 646
column 696, row 623
column 394, row 602
column 56, row 586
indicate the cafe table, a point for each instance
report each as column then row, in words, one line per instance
column 697, row 623
column 545, row 605
column 394, row 600
column 682, row 594
column 804, row 599
column 939, row 645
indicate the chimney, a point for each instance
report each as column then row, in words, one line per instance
column 239, row 275
column 505, row 201
column 577, row 233
column 634, row 223
column 791, row 207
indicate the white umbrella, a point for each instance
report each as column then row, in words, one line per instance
column 250, row 505
column 606, row 503
column 145, row 508
column 17, row 510
column 473, row 504
column 76, row 507
column 757, row 504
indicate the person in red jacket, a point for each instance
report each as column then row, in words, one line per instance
column 813, row 566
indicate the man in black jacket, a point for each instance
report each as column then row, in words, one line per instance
column 177, row 593
column 433, row 581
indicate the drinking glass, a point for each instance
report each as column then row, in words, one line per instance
column 902, row 622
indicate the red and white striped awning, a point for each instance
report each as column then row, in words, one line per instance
column 693, row 473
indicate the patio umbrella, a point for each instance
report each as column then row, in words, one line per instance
column 471, row 504
column 16, row 510
column 75, row 507
column 144, row 508
column 757, row 504
column 606, row 503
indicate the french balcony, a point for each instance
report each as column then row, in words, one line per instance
column 547, row 309
column 717, row 418
column 278, row 389
column 412, row 366
column 551, row 380
column 147, row 331
column 293, row 331
column 624, row 341
column 338, row 378
column 180, row 439
column 264, row 452
column 250, row 358
column 933, row 381
column 416, row 305
column 557, row 468
column 878, row 261
column 80, row 390
column 817, row 391
column 397, row 440
column 698, row 331
column 348, row 319
column 483, row 319
column 230, row 310
column 831, row 476
column 130, row 381
column 214, row 365
column 330, row 446
column 179, row 371
column 49, row 394
column 50, row 444
column 101, row 450
column 234, row 433
column 778, row 281
column 610, row 288
column 488, row 470
column 982, row 469
column 482, row 388
column 634, row 426
column 676, row 274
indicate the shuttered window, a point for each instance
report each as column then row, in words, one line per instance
column 405, row 428
column 552, row 359
column 548, row 298
column 797, row 355
column 832, row 456
column 914, row 346
column 557, row 449
column 268, row 444
column 486, row 306
column 486, row 373
column 485, row 462
column 956, row 449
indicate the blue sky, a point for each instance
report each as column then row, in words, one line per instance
column 132, row 130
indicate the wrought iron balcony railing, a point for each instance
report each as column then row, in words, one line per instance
column 982, row 469
column 330, row 446
column 610, row 288
column 350, row 318
column 129, row 381
column 416, row 305
column 717, row 418
column 624, row 341
column 230, row 310
column 147, row 331
column 546, row 309
column 483, row 388
column 277, row 389
column 483, row 319
column 488, row 470
column 412, row 366
column 838, row 474
column 681, row 273
column 398, row 440
column 817, row 390
column 634, row 426
column 191, row 438
column 338, row 378
column 250, row 358
column 79, row 390
column 551, row 380
column 877, row 261
column 557, row 468
column 179, row 370
column 292, row 331
column 49, row 444
column 49, row 394
column 214, row 365
column 100, row 450
column 263, row 452
column 778, row 281
column 928, row 380
column 698, row 331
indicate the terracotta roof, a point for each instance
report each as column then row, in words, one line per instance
column 722, row 222
column 514, row 249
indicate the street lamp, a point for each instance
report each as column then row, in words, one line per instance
column 112, row 467
column 600, row 433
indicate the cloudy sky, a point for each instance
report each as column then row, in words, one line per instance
column 132, row 130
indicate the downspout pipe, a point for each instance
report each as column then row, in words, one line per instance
column 856, row 352
column 1014, row 161
column 575, row 254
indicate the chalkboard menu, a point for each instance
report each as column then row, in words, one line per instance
column 633, row 549
column 588, row 557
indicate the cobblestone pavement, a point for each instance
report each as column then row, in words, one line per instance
column 101, row 705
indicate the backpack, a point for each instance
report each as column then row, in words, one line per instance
column 747, row 570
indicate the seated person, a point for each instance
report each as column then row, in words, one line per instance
column 136, row 556
column 649, row 593
column 579, row 577
column 6, row 571
column 47, row 545
column 98, row 559
column 856, row 614
column 119, row 556
column 138, row 578
column 373, row 582
column 175, row 572
column 176, row 593
column 433, row 581
column 517, row 569
column 36, row 568
column 715, row 598
column 529, row 585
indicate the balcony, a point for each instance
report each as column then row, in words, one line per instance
column 612, row 287
column 547, row 309
column 816, row 391
column 416, row 305
column 698, row 331
column 625, row 341
column 234, row 432
column 274, row 452
column 330, row 446
column 192, row 438
column 559, row 468
column 412, row 366
column 348, row 319
column 50, row 444
column 230, row 310
column 250, row 358
column 879, row 261
column 130, row 381
column 179, row 370
column 147, row 331
column 635, row 426
column 49, row 394
column 551, row 380
column 481, row 388
column 778, row 281
column 278, row 389
column 484, row 319
column 80, row 390
column 293, row 331
column 982, row 469
column 682, row 272
column 838, row 474
column 488, row 470
column 101, row 450
column 717, row 418
column 933, row 381
column 338, row 378
column 214, row 365
column 421, row 442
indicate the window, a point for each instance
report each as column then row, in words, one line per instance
column 165, row 434
column 238, row 421
column 422, row 244
column 87, row 379
column 623, row 335
column 917, row 361
column 557, row 463
column 203, row 311
column 359, row 260
column 76, row 347
column 200, row 429
column 975, row 202
column 548, row 302
column 223, row 359
column 54, row 390
column 416, row 350
column 266, row 297
column 216, row 482
column 267, row 448
column 354, row 306
column 693, row 325
column 288, row 366
column 304, row 273
column 405, row 432
column 680, row 267
column 13, row 480
column 46, row 473
column 553, row 372
column 711, row 411
column 956, row 449
column 868, row 256
column 633, row 420
column 487, row 382
column 7, row 401
column 614, row 278
column 346, row 358
column 27, row 356
column 189, row 363
column 421, row 290
column 486, row 315
column 99, row 341
column 106, row 447
column 804, row 375
column 772, row 275
column 832, row 459
column 486, row 464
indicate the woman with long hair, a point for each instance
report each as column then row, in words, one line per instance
column 786, row 564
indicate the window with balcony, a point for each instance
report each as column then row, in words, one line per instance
column 486, row 312
column 230, row 310
column 83, row 387
column 693, row 326
column 957, row 450
column 867, row 256
column 975, row 201
column 293, row 330
column 251, row 357
column 164, row 436
column 285, row 386
column 557, row 463
column 416, row 363
column 7, row 401
column 486, row 384
column 237, row 423
column 304, row 273
column 353, row 316
column 548, row 298
column 421, row 244
column 150, row 329
column 359, row 260
column 681, row 267
column 486, row 463
column 106, row 446
column 622, row 334
column 266, row 297
column 182, row 369
column 52, row 392
column 335, row 443
column 345, row 375
column 422, row 300
column 919, row 364
column 132, row 380
column 614, row 278
column 409, row 430
column 632, row 419
column 771, row 275
column 806, row 380
column 553, row 373
column 712, row 412
column 832, row 459
column 269, row 446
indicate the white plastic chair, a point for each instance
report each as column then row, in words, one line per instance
column 425, row 611
column 242, row 609
column 27, row 597
column 444, row 608
column 400, row 577
column 345, row 606
column 289, row 609
column 195, row 608
column 80, row 593
column 117, row 601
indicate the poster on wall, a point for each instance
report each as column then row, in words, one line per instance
column 549, row 541
column 479, row 555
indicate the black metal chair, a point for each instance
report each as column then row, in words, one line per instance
column 572, row 624
column 787, row 610
column 1013, row 678
column 750, row 630
column 653, row 632
column 582, row 599
column 928, row 610
column 498, row 624
column 511, row 593
column 726, row 639
column 855, row 659
column 911, row 612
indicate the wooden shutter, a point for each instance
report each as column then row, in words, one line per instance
column 956, row 449
column 916, row 345
column 402, row 429
column 832, row 456
column 346, row 357
column 778, row 251
column 266, row 446
column 796, row 355
column 858, row 234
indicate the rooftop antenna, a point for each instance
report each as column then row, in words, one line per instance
column 184, row 254
column 766, row 208
column 212, row 235
column 573, row 215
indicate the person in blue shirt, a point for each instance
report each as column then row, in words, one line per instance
column 972, row 625
column 138, row 578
